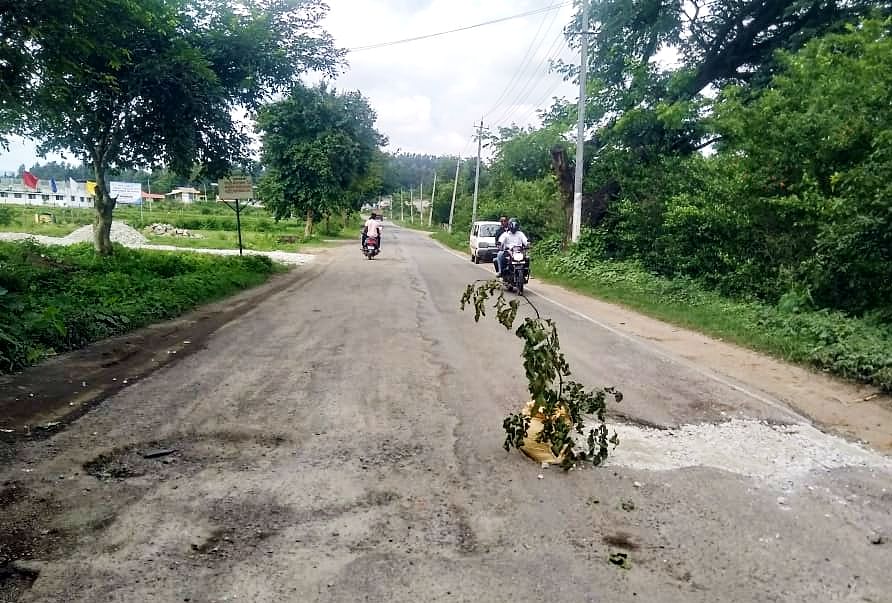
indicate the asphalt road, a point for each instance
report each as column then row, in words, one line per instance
column 342, row 442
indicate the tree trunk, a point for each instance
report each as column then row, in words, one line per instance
column 345, row 213
column 327, row 223
column 104, row 206
column 308, row 229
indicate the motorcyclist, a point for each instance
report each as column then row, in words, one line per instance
column 372, row 228
column 503, row 228
column 514, row 237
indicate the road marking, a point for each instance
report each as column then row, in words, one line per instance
column 775, row 404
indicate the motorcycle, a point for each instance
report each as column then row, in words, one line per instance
column 516, row 272
column 370, row 248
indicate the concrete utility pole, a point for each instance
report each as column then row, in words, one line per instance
column 477, row 173
column 580, row 129
column 402, row 207
column 421, row 203
column 412, row 205
column 430, row 215
column 454, row 191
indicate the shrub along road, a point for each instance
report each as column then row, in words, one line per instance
column 341, row 441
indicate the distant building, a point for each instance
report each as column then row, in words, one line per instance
column 67, row 194
column 184, row 195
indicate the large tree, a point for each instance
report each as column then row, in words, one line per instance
column 141, row 82
column 318, row 145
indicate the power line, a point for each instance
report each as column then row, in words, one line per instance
column 548, row 95
column 527, row 58
column 466, row 28
column 526, row 90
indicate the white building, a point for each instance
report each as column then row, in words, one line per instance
column 184, row 195
column 13, row 191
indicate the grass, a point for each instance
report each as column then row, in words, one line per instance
column 64, row 298
column 454, row 240
column 853, row 348
column 418, row 225
column 859, row 349
column 215, row 222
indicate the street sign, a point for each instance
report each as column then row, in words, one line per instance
column 127, row 193
column 236, row 188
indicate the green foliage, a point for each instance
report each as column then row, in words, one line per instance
column 562, row 405
column 317, row 146
column 793, row 200
column 134, row 83
column 816, row 151
column 854, row 348
column 67, row 297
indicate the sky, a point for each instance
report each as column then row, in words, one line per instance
column 429, row 94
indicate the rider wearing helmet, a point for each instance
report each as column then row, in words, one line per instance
column 508, row 240
column 372, row 228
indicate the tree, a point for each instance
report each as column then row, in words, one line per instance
column 141, row 82
column 317, row 144
column 815, row 148
column 718, row 42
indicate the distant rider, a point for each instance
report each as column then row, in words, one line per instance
column 372, row 228
column 503, row 228
column 509, row 240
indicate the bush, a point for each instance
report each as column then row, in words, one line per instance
column 6, row 216
column 67, row 297
column 854, row 348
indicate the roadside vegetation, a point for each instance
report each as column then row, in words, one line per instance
column 213, row 222
column 778, row 238
column 55, row 299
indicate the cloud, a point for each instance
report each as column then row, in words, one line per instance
column 498, row 71
column 429, row 94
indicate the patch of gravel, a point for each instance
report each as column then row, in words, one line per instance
column 120, row 233
column 778, row 454
column 283, row 257
column 130, row 237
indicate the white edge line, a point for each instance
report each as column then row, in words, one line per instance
column 775, row 404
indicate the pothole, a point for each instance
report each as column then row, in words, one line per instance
column 14, row 581
column 187, row 453
column 758, row 449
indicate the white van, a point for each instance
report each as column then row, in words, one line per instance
column 483, row 241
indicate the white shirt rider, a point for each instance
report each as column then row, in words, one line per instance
column 510, row 240
column 372, row 228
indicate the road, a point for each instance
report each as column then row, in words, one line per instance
column 341, row 442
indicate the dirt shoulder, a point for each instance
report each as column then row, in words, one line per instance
column 46, row 396
column 852, row 410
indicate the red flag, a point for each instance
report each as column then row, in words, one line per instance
column 29, row 179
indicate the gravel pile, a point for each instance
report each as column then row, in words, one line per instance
column 120, row 233
column 778, row 454
column 125, row 235
column 169, row 230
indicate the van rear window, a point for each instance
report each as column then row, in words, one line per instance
column 488, row 230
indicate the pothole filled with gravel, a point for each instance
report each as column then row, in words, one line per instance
column 774, row 453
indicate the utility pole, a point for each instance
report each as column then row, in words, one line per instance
column 454, row 191
column 477, row 173
column 411, row 205
column 421, row 203
column 430, row 215
column 402, row 207
column 580, row 130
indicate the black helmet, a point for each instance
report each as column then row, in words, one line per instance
column 513, row 225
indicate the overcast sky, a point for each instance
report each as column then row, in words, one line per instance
column 428, row 94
